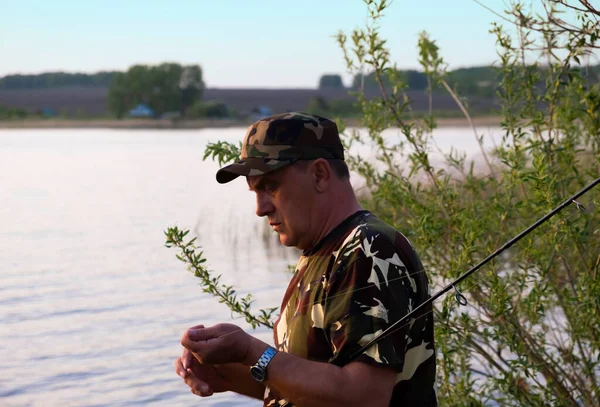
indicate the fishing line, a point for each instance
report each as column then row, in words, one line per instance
column 343, row 293
column 462, row 300
column 459, row 297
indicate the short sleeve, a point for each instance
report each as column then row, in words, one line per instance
column 363, row 298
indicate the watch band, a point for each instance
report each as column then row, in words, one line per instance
column 266, row 357
column 259, row 370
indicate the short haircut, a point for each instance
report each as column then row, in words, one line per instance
column 340, row 168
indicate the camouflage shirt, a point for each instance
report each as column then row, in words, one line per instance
column 355, row 283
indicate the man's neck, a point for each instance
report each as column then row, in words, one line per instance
column 341, row 207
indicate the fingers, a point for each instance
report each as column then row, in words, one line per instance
column 186, row 355
column 194, row 339
column 197, row 386
column 217, row 344
column 179, row 369
column 186, row 358
column 202, row 334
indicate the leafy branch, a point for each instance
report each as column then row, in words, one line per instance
column 223, row 151
column 190, row 255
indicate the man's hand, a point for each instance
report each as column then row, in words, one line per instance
column 213, row 369
column 203, row 380
column 222, row 343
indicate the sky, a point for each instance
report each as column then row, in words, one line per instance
column 238, row 43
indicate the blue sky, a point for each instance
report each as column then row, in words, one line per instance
column 238, row 43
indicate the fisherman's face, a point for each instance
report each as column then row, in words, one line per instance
column 287, row 198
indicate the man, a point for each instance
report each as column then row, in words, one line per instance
column 356, row 277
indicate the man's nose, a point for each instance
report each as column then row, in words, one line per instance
column 264, row 205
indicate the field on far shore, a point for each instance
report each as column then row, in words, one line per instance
column 192, row 124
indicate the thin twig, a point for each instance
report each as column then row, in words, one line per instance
column 468, row 117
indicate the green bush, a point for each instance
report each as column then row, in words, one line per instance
column 531, row 333
column 7, row 113
column 334, row 108
column 210, row 109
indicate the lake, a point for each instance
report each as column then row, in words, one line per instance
column 92, row 304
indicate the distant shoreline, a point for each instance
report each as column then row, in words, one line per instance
column 484, row 121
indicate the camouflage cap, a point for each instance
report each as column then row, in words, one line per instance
column 276, row 141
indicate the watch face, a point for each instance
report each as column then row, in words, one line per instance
column 257, row 373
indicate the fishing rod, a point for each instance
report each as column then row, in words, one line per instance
column 459, row 297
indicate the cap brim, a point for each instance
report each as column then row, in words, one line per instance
column 249, row 167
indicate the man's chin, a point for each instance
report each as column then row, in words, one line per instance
column 291, row 243
column 285, row 240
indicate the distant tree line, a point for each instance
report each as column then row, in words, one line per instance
column 475, row 81
column 178, row 89
column 334, row 108
column 331, row 81
column 168, row 87
column 12, row 113
column 56, row 79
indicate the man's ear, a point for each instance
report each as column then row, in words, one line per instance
column 321, row 172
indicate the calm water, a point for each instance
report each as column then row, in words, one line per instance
column 92, row 304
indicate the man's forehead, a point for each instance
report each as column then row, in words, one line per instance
column 254, row 180
column 257, row 180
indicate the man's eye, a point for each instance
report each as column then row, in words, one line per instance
column 270, row 187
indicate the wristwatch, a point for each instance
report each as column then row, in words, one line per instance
column 259, row 370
